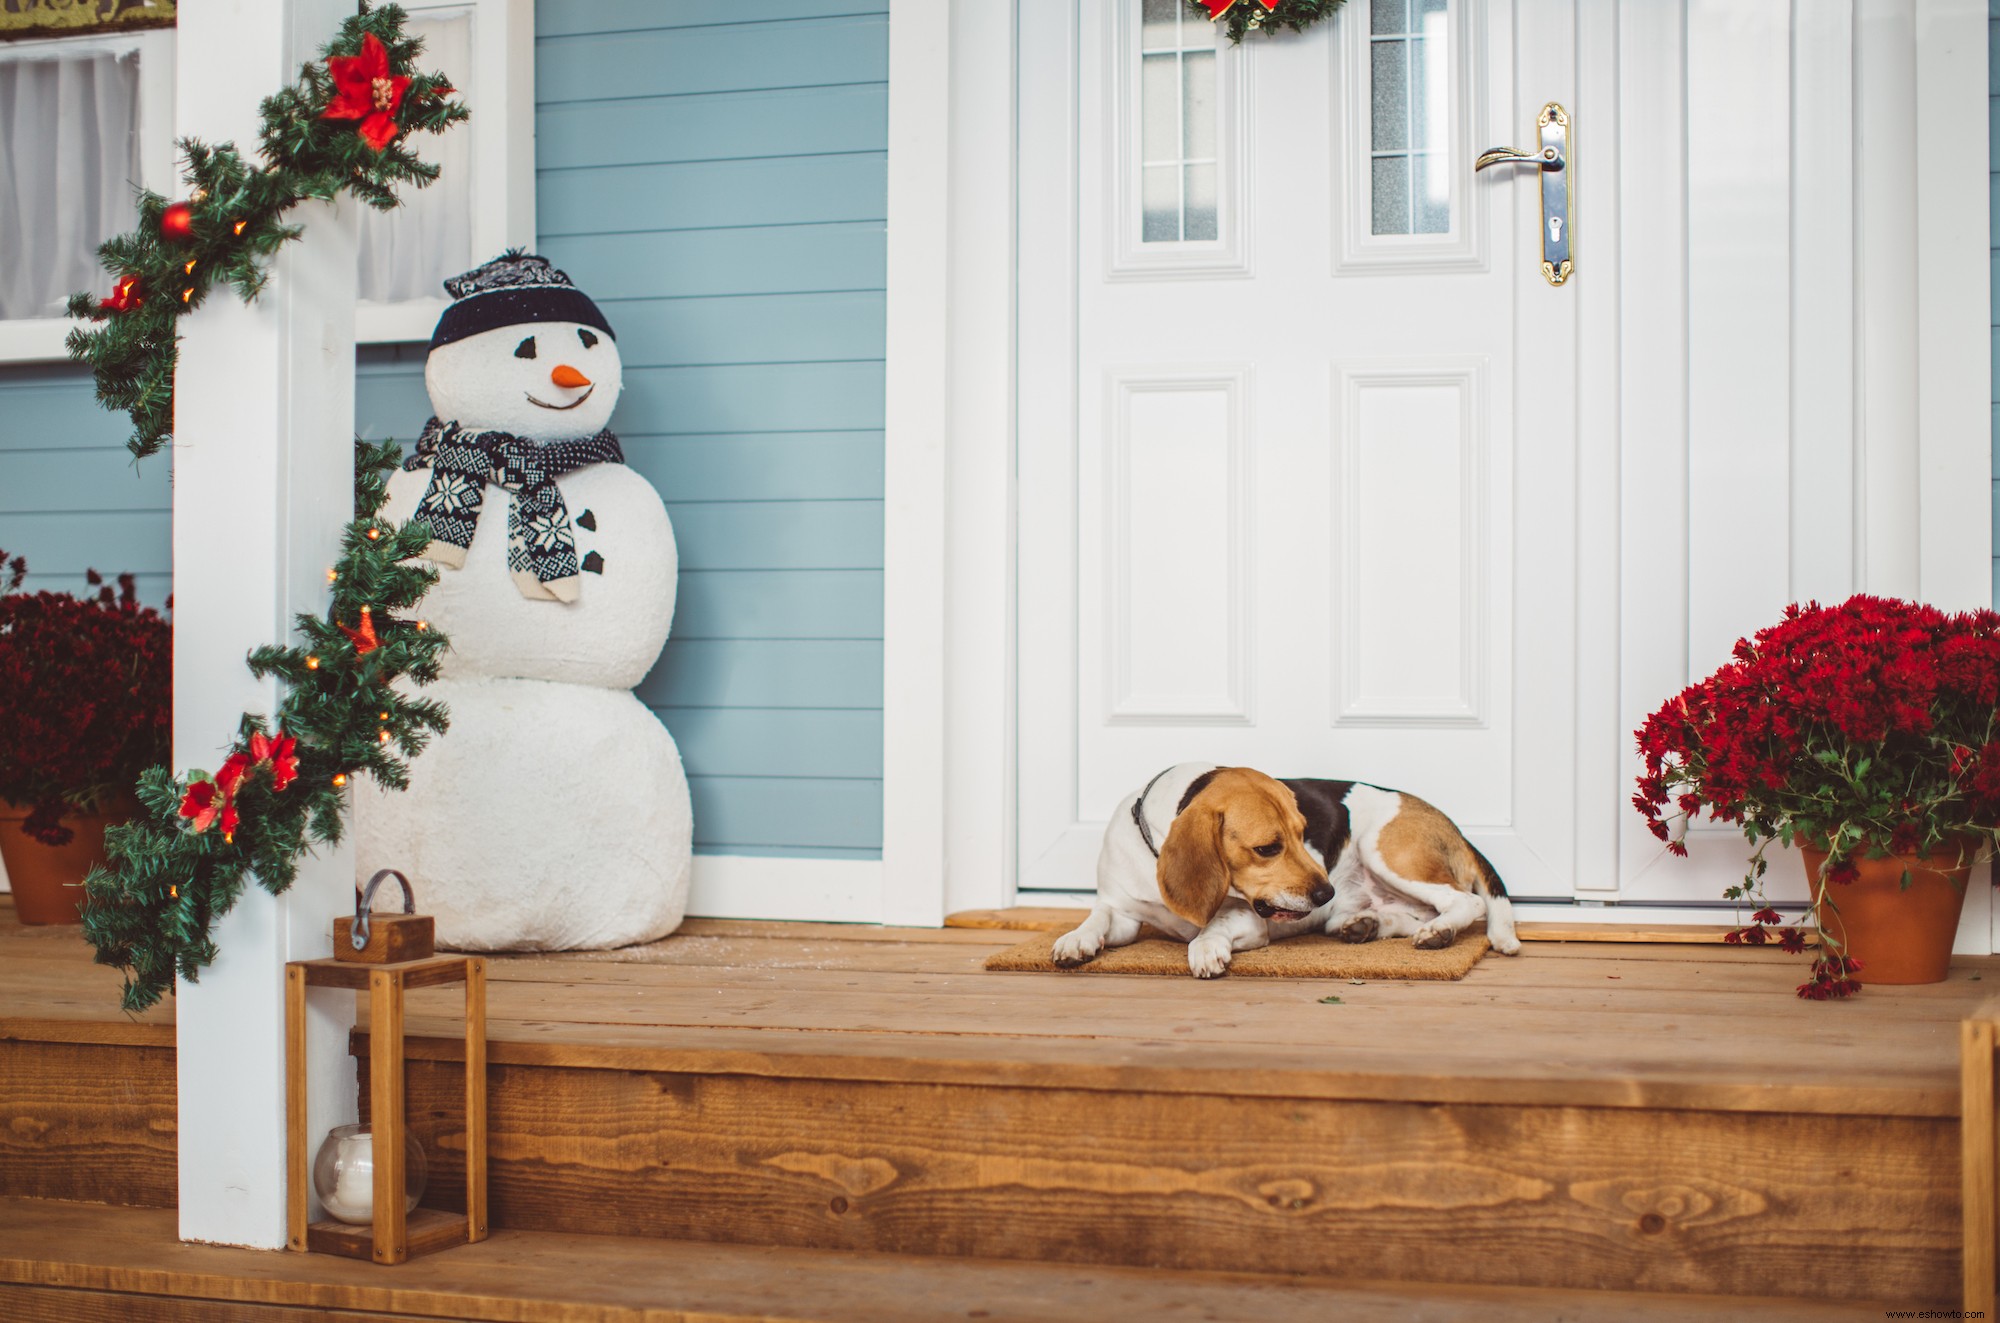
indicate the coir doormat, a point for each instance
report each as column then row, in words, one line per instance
column 1313, row 956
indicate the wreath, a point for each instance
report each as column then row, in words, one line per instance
column 341, row 128
column 1268, row 16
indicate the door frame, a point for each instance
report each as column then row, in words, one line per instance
column 1919, row 416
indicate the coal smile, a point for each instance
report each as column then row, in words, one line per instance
column 559, row 407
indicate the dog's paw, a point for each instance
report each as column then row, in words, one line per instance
column 1359, row 928
column 1208, row 959
column 1508, row 945
column 1432, row 936
column 1073, row 949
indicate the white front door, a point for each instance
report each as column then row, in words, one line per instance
column 1300, row 420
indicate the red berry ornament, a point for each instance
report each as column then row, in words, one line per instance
column 177, row 221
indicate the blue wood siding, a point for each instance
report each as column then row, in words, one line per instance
column 71, row 499
column 719, row 188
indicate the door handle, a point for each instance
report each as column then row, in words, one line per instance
column 1553, row 163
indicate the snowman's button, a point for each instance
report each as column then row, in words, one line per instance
column 593, row 562
column 587, row 520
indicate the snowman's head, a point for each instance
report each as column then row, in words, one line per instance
column 522, row 350
column 546, row 381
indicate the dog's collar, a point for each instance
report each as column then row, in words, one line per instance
column 1139, row 812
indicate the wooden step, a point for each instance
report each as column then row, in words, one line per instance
column 82, row 1264
column 1584, row 1117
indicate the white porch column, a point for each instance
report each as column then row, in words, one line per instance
column 263, row 482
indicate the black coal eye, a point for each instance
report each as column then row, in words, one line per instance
column 588, row 339
column 526, row 349
column 1271, row 851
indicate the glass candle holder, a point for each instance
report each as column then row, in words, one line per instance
column 344, row 1174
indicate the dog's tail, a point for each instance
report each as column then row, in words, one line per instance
column 1475, row 873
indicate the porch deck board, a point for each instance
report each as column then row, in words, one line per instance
column 74, row 1262
column 1586, row 1023
column 1695, row 1026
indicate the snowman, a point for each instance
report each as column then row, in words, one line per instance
column 554, row 814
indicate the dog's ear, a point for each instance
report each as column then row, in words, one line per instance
column 1193, row 876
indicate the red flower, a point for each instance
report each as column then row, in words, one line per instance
column 232, row 773
column 281, row 751
column 362, row 637
column 201, row 804
column 1791, row 940
column 364, row 89
column 1217, row 8
column 1768, row 915
column 124, row 295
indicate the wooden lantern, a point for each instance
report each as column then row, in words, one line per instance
column 359, row 963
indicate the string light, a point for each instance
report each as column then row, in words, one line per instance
column 373, row 534
column 332, row 576
column 312, row 663
column 339, row 780
column 189, row 268
column 382, row 736
column 173, row 892
column 423, row 624
column 239, row 226
column 385, row 716
column 187, row 295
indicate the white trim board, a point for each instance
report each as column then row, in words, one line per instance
column 732, row 886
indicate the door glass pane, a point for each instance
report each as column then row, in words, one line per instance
column 1160, row 203
column 1199, row 215
column 1410, row 116
column 1198, row 104
column 1178, row 116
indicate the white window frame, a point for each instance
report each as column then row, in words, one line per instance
column 499, row 90
column 1130, row 256
column 30, row 339
column 502, row 78
column 1358, row 250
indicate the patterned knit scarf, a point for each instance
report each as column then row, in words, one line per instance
column 541, row 551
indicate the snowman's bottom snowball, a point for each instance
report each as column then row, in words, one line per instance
column 550, row 817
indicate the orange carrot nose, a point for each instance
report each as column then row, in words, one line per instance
column 565, row 375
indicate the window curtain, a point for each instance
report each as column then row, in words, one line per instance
column 407, row 253
column 69, row 161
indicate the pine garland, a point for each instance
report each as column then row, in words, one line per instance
column 171, row 875
column 1239, row 17
column 234, row 220
column 185, row 860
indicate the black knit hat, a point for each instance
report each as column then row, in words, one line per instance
column 512, row 289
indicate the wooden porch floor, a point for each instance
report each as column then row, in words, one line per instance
column 1579, row 1023
column 1585, row 1116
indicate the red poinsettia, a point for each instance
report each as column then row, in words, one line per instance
column 281, row 751
column 364, row 89
column 1865, row 729
column 363, row 636
column 212, row 803
column 124, row 295
column 1217, row 8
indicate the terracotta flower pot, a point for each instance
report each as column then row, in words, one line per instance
column 48, row 879
column 1899, row 934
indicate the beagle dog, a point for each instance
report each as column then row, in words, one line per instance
column 1226, row 859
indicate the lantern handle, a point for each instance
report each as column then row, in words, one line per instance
column 363, row 900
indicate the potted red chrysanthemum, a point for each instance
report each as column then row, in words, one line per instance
column 85, row 706
column 1865, row 734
